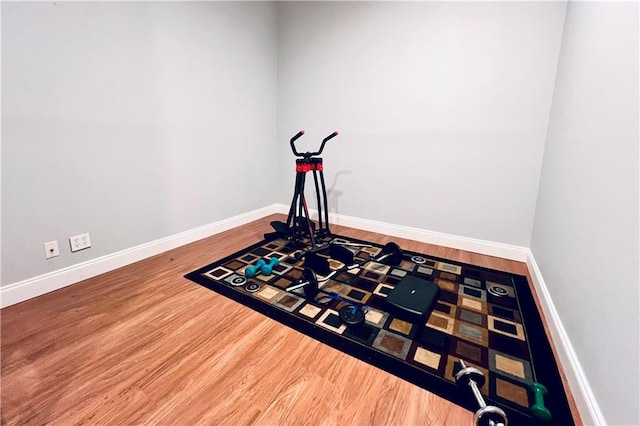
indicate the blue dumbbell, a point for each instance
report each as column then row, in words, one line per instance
column 267, row 268
column 251, row 271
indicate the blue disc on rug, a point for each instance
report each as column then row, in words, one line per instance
column 352, row 315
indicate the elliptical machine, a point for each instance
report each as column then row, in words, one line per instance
column 299, row 225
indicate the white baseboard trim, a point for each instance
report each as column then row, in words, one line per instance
column 578, row 383
column 489, row 248
column 33, row 287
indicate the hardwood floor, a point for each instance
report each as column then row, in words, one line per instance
column 141, row 344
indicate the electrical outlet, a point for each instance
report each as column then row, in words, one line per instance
column 51, row 249
column 80, row 242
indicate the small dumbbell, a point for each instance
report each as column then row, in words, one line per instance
column 251, row 271
column 487, row 415
column 266, row 269
column 538, row 409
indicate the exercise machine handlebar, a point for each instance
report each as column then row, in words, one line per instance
column 324, row 141
column 293, row 140
column 309, row 154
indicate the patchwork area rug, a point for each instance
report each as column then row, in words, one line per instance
column 485, row 317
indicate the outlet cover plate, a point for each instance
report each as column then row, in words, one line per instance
column 51, row 249
column 80, row 242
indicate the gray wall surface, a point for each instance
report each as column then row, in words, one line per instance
column 442, row 108
column 131, row 121
column 585, row 238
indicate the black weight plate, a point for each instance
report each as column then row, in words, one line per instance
column 311, row 289
column 396, row 254
column 252, row 287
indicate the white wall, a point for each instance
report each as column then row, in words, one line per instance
column 585, row 238
column 442, row 108
column 131, row 121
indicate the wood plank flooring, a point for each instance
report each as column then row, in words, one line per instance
column 143, row 345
